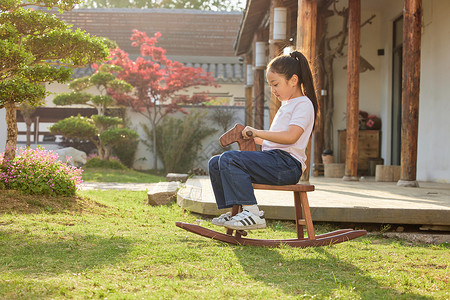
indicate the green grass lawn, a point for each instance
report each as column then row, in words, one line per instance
column 110, row 244
column 126, row 176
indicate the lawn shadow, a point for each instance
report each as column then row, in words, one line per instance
column 73, row 254
column 319, row 274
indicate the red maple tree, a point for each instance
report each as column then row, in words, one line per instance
column 160, row 84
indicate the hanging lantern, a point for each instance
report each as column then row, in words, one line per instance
column 260, row 54
column 279, row 23
column 249, row 75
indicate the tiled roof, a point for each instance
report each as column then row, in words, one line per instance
column 202, row 38
column 222, row 72
column 184, row 31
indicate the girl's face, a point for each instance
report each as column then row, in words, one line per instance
column 282, row 88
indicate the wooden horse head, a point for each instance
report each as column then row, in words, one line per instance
column 235, row 135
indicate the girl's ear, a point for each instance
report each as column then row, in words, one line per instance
column 294, row 80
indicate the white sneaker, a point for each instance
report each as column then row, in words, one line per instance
column 221, row 219
column 246, row 221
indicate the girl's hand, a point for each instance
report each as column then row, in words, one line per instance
column 286, row 137
column 249, row 132
column 252, row 133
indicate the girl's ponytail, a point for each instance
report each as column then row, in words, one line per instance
column 296, row 64
column 305, row 78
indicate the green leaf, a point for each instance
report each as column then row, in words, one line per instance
column 75, row 127
column 71, row 98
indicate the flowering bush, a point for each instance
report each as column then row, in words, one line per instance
column 38, row 172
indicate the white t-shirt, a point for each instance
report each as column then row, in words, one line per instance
column 297, row 111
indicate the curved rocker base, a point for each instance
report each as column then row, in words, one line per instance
column 326, row 239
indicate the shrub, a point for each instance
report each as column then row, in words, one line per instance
column 124, row 143
column 111, row 163
column 39, row 172
column 179, row 141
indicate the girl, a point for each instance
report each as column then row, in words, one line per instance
column 282, row 159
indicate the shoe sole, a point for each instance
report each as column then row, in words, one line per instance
column 248, row 227
column 216, row 224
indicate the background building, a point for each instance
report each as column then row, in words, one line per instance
column 392, row 37
column 193, row 37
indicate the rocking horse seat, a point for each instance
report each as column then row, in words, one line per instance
column 302, row 212
column 290, row 188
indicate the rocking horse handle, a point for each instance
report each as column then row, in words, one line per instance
column 235, row 135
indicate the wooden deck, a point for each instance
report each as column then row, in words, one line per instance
column 335, row 200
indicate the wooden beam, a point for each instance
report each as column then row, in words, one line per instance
column 410, row 91
column 306, row 42
column 354, row 25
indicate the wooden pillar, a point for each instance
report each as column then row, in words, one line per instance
column 306, row 42
column 275, row 49
column 249, row 92
column 318, row 81
column 260, row 62
column 410, row 91
column 258, row 87
column 354, row 24
column 249, row 106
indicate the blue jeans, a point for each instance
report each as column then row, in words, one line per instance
column 233, row 172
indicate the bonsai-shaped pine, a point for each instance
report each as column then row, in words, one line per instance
column 33, row 47
column 105, row 132
column 159, row 84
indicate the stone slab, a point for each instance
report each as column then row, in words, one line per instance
column 177, row 177
column 163, row 193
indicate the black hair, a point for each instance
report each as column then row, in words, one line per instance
column 296, row 64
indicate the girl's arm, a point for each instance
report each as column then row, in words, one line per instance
column 258, row 140
column 287, row 137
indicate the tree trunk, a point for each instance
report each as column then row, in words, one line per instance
column 155, row 156
column 27, row 111
column 28, row 122
column 107, row 153
column 11, row 125
column 28, row 134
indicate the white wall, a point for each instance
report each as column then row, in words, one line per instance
column 372, row 86
column 144, row 156
column 388, row 12
column 210, row 146
column 433, row 161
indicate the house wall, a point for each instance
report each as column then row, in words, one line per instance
column 372, row 92
column 433, row 161
column 144, row 157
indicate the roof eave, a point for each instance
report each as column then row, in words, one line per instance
column 248, row 27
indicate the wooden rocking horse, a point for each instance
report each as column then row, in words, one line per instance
column 302, row 211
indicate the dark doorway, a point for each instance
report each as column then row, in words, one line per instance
column 397, row 62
